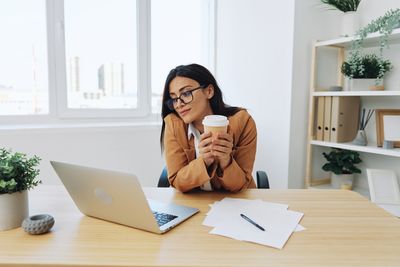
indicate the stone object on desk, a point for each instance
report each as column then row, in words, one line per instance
column 38, row 224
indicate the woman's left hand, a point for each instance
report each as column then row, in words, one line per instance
column 221, row 148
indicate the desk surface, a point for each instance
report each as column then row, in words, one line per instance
column 343, row 228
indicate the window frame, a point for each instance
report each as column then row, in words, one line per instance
column 58, row 110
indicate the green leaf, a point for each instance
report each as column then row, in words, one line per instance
column 341, row 161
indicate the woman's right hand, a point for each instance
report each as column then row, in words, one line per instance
column 205, row 148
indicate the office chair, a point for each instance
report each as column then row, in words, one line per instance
column 262, row 179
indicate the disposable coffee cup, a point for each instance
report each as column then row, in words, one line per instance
column 215, row 124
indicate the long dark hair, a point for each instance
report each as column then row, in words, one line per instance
column 204, row 77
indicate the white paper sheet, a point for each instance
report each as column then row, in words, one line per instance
column 279, row 222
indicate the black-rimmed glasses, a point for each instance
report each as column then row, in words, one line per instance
column 186, row 97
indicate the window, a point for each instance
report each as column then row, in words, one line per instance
column 23, row 54
column 96, row 58
column 101, row 54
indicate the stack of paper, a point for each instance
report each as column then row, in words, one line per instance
column 277, row 221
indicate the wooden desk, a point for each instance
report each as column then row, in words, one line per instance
column 343, row 229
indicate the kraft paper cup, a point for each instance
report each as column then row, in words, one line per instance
column 215, row 124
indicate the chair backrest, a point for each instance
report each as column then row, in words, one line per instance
column 262, row 179
column 163, row 180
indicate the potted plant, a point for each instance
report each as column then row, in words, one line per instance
column 342, row 165
column 365, row 72
column 17, row 175
column 350, row 21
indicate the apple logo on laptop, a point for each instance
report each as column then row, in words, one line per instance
column 102, row 195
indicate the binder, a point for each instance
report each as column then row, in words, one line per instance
column 345, row 118
column 327, row 118
column 320, row 118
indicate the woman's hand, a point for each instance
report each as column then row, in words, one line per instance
column 221, row 147
column 205, row 149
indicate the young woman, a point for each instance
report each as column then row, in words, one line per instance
column 194, row 159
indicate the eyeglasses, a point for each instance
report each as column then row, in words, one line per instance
column 186, row 97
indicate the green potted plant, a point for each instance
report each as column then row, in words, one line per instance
column 17, row 175
column 365, row 71
column 341, row 163
column 350, row 21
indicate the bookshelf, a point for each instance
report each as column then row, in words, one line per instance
column 371, row 40
column 358, row 93
column 371, row 148
column 341, row 46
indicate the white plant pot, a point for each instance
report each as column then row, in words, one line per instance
column 363, row 85
column 350, row 23
column 342, row 181
column 14, row 209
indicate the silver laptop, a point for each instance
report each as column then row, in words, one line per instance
column 118, row 197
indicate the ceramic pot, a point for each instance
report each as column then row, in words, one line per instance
column 350, row 23
column 13, row 210
column 342, row 181
column 363, row 85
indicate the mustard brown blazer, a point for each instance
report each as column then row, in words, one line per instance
column 185, row 172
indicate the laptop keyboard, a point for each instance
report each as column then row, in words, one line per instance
column 163, row 218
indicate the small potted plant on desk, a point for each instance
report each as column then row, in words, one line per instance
column 341, row 163
column 17, row 175
column 365, row 72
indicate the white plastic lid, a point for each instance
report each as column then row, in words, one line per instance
column 215, row 120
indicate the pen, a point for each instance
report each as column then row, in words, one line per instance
column 252, row 222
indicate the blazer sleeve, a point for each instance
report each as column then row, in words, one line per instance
column 237, row 176
column 184, row 173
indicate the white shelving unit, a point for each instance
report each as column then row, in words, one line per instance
column 357, row 93
column 371, row 40
column 342, row 44
column 366, row 149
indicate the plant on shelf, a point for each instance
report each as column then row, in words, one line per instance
column 342, row 163
column 384, row 25
column 368, row 66
column 343, row 5
column 17, row 175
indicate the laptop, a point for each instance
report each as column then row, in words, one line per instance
column 118, row 197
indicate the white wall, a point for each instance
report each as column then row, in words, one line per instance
column 254, row 66
column 130, row 149
column 312, row 22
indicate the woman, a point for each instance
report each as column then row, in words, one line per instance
column 194, row 159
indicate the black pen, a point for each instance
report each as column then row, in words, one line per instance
column 252, row 222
